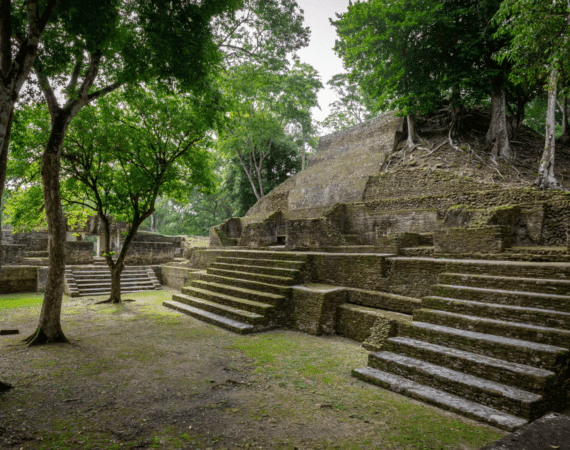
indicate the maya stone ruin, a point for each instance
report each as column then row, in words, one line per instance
column 460, row 289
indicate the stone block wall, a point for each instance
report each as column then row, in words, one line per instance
column 18, row 279
column 11, row 254
column 311, row 234
column 145, row 253
column 33, row 241
column 79, row 252
column 175, row 276
column 363, row 271
column 459, row 241
column 312, row 308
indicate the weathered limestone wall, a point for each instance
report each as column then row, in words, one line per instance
column 459, row 241
column 175, row 277
column 12, row 254
column 18, row 279
column 339, row 171
column 79, row 252
column 146, row 253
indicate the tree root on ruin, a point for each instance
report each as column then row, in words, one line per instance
column 113, row 301
column 39, row 337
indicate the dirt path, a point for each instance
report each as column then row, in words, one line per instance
column 142, row 376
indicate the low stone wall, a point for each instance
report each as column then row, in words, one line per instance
column 175, row 277
column 363, row 271
column 311, row 234
column 202, row 258
column 457, row 241
column 357, row 323
column 145, row 253
column 312, row 308
column 11, row 254
column 33, row 241
column 18, row 279
column 79, row 252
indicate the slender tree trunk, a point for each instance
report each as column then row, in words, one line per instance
column 4, row 387
column 49, row 326
column 411, row 130
column 152, row 223
column 303, row 151
column 497, row 137
column 116, row 272
column 546, row 178
column 565, row 137
column 3, row 167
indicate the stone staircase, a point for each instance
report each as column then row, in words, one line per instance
column 243, row 291
column 493, row 347
column 82, row 281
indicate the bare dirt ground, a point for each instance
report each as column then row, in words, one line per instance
column 142, row 376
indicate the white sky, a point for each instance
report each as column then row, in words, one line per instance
column 319, row 53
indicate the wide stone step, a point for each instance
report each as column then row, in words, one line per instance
column 440, row 398
column 486, row 392
column 264, row 254
column 227, row 311
column 537, row 285
column 543, row 317
column 214, row 319
column 269, row 279
column 247, row 284
column 228, row 300
column 275, row 271
column 97, row 292
column 525, row 377
column 544, row 356
column 527, row 332
column 262, row 262
column 504, row 297
column 234, row 291
column 145, row 285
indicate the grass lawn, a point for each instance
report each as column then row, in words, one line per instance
column 142, row 376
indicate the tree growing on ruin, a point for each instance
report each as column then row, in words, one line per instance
column 538, row 48
column 416, row 56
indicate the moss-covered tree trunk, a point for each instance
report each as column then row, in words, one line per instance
column 49, row 326
column 116, row 272
column 497, row 137
column 546, row 178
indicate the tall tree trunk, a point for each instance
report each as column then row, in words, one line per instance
column 3, row 167
column 546, row 178
column 565, row 137
column 411, row 119
column 497, row 137
column 152, row 223
column 49, row 326
column 303, row 150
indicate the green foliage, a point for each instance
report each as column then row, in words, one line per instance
column 415, row 55
column 283, row 162
column 352, row 107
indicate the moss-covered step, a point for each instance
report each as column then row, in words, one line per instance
column 214, row 319
column 264, row 254
column 527, row 332
column 262, row 262
column 236, row 314
column 234, row 291
column 539, row 285
column 270, row 279
column 383, row 300
column 247, row 284
column 536, row 316
column 275, row 271
column 440, row 398
column 504, row 297
column 229, row 300
column 525, row 377
column 544, row 356
column 486, row 392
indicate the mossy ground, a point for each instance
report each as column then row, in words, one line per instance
column 142, row 376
